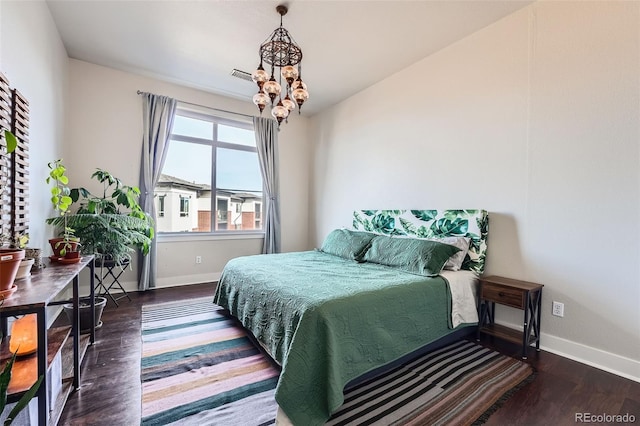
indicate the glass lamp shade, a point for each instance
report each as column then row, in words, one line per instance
column 289, row 73
column 279, row 112
column 272, row 88
column 261, row 100
column 299, row 84
column 259, row 76
column 288, row 103
column 300, row 95
column 24, row 335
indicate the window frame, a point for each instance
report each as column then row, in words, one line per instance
column 185, row 205
column 161, row 205
column 214, row 143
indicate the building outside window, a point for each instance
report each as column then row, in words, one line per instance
column 213, row 175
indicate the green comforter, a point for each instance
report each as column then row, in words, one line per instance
column 327, row 320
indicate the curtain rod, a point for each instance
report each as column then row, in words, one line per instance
column 204, row 106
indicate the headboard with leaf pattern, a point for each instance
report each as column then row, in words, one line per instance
column 432, row 224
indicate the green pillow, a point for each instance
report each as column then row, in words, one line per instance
column 421, row 257
column 347, row 244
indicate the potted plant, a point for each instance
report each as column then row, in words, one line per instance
column 85, row 312
column 19, row 242
column 67, row 245
column 111, row 225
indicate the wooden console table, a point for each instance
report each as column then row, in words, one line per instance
column 33, row 295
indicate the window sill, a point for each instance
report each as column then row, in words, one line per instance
column 181, row 237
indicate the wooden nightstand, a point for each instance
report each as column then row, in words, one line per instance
column 517, row 294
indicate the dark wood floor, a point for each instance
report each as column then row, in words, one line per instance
column 110, row 392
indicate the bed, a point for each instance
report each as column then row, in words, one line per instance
column 329, row 317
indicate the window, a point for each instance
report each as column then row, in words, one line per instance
column 258, row 215
column 184, row 206
column 258, row 209
column 212, row 169
column 222, row 212
column 161, row 205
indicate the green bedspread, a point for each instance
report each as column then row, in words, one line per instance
column 327, row 320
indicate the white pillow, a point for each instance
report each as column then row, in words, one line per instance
column 455, row 262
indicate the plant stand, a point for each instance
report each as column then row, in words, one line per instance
column 104, row 288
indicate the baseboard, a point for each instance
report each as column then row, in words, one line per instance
column 186, row 280
column 603, row 360
column 168, row 282
column 607, row 361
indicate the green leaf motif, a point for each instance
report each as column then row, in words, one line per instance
column 425, row 215
column 383, row 223
column 369, row 212
column 424, row 232
column 392, row 212
column 409, row 227
column 454, row 214
column 475, row 241
column 357, row 221
column 483, row 224
column 449, row 227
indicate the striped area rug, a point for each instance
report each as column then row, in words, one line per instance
column 199, row 367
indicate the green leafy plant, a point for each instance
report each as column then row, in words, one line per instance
column 111, row 225
column 61, row 200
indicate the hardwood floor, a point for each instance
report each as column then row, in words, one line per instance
column 110, row 392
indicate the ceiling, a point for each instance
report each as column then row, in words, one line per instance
column 347, row 45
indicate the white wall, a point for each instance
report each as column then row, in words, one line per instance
column 535, row 118
column 34, row 60
column 104, row 125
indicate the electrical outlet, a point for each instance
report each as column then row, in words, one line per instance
column 558, row 309
column 198, row 259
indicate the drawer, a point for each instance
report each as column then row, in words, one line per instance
column 504, row 295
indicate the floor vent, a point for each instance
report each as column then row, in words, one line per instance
column 241, row 74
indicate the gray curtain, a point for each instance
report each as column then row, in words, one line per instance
column 266, row 131
column 157, row 122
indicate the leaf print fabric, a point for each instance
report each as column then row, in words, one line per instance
column 473, row 224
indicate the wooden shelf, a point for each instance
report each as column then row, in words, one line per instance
column 34, row 294
column 25, row 369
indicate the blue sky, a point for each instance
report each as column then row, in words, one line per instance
column 236, row 169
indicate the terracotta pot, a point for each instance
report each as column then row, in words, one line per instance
column 72, row 255
column 9, row 264
column 57, row 247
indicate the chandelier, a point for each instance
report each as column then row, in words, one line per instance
column 280, row 51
